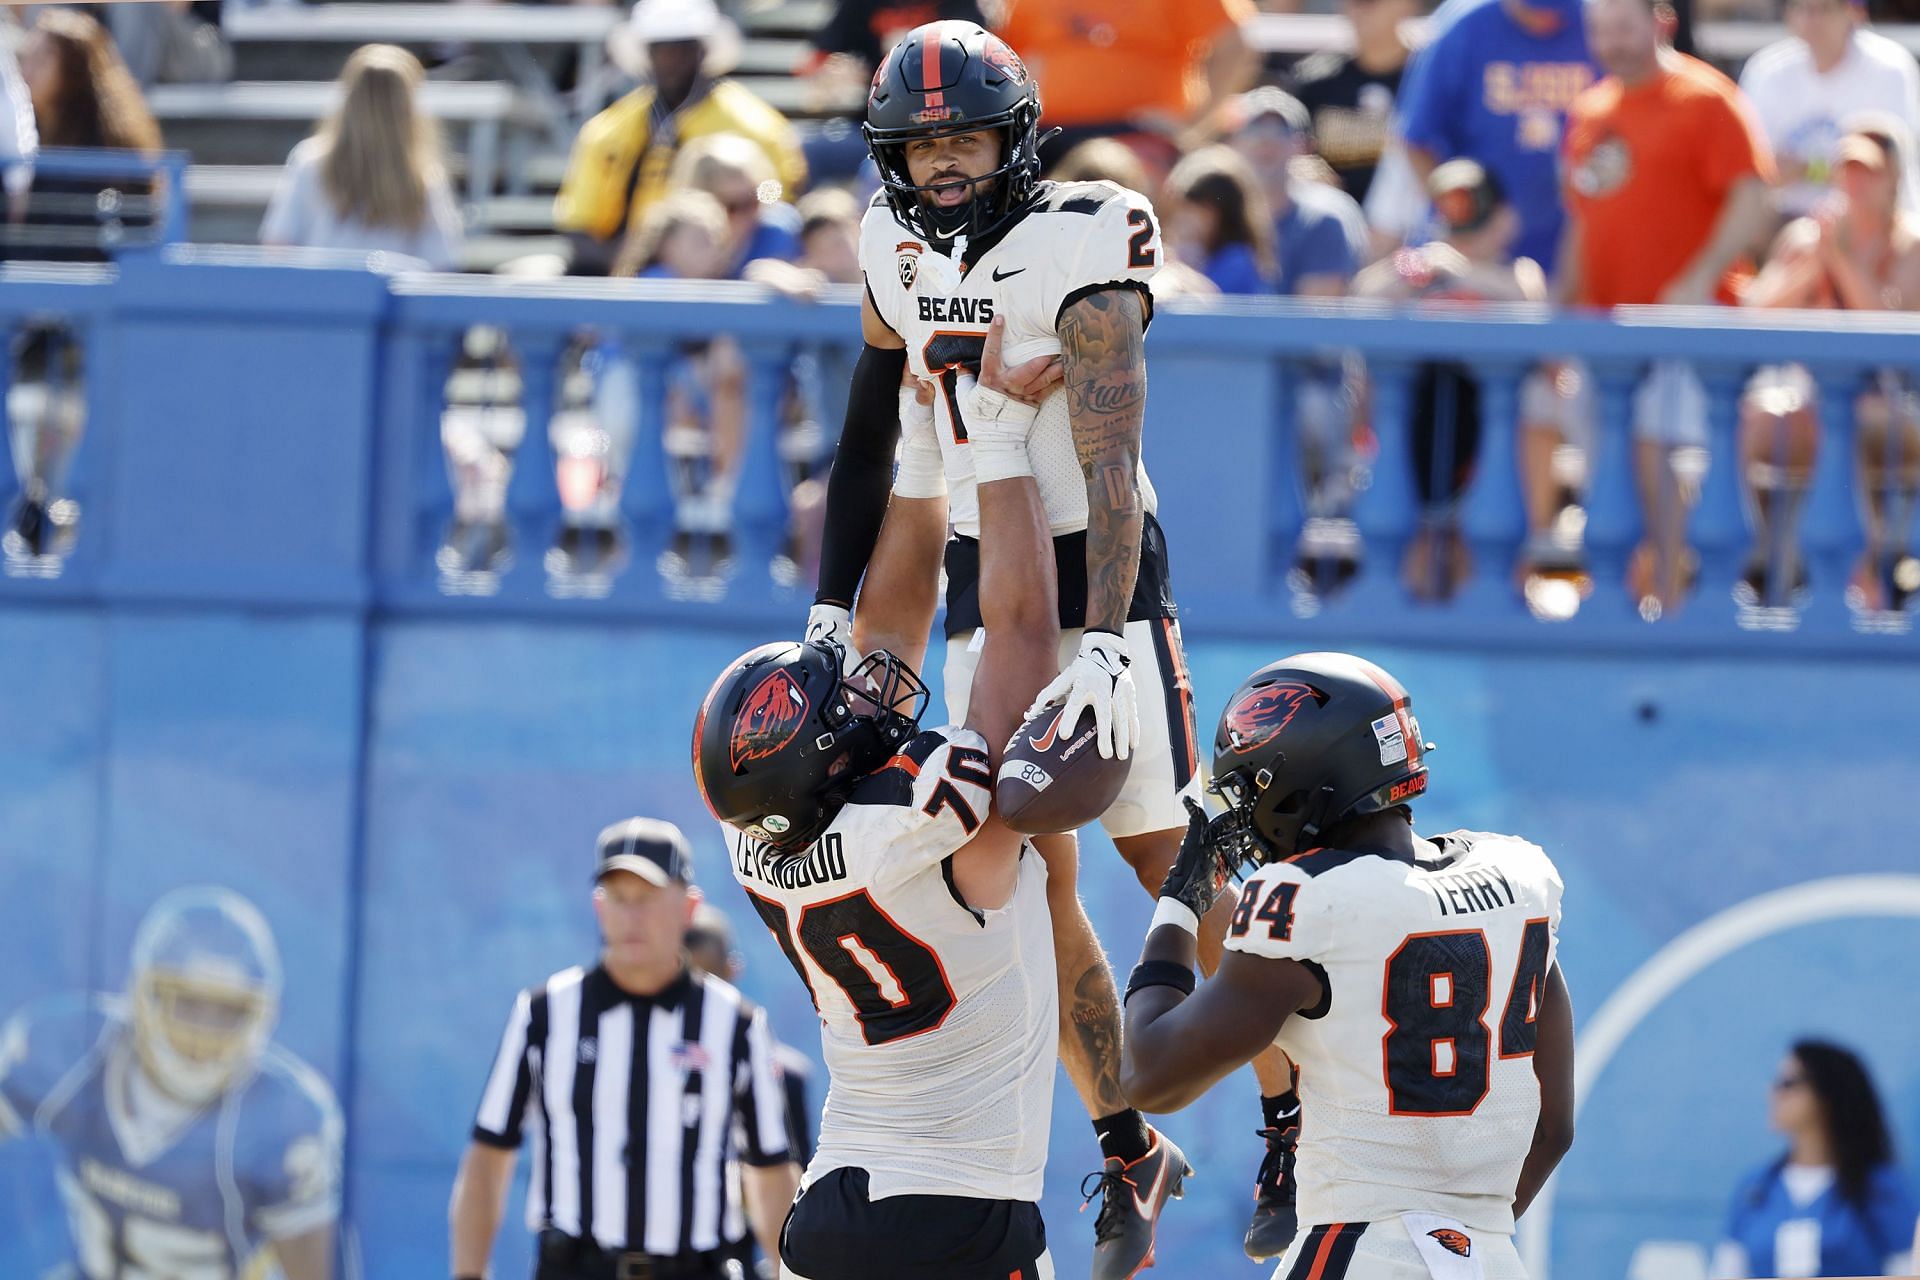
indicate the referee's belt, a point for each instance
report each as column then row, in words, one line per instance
column 589, row 1261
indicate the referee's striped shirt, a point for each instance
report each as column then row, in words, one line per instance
column 635, row 1104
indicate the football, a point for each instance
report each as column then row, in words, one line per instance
column 1052, row 780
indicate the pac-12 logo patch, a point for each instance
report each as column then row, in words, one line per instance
column 909, row 262
column 769, row 719
column 1453, row 1241
column 1261, row 713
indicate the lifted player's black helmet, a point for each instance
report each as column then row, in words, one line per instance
column 783, row 736
column 1311, row 741
column 945, row 78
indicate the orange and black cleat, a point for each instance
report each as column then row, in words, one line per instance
column 1133, row 1195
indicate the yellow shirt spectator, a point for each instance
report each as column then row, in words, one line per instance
column 621, row 159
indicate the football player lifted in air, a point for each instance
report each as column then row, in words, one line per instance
column 964, row 240
column 916, row 918
column 188, row 1144
column 1412, row 979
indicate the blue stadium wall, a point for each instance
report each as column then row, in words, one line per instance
column 470, row 762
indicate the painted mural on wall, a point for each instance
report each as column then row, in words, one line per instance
column 184, row 1142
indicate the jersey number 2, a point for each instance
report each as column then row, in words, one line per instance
column 1140, row 244
column 894, row 981
column 1437, row 1049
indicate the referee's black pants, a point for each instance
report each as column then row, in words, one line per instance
column 565, row 1257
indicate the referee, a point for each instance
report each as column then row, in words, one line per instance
column 639, row 1079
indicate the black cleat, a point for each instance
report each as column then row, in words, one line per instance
column 1132, row 1197
column 1275, row 1221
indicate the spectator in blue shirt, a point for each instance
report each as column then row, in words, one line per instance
column 736, row 172
column 685, row 236
column 1217, row 221
column 1322, row 240
column 1320, row 234
column 1494, row 85
column 1834, row 1204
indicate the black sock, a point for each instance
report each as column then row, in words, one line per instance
column 1123, row 1135
column 1279, row 1107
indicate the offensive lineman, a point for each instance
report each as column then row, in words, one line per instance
column 917, row 920
column 965, row 242
column 1413, row 980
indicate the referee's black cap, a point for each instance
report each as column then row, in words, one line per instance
column 653, row 849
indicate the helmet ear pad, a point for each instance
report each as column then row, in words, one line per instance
column 1282, row 820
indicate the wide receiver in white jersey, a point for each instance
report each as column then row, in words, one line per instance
column 1413, row 980
column 965, row 241
column 917, row 920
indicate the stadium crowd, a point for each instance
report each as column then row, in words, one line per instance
column 1493, row 151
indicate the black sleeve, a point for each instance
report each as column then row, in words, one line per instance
column 862, row 474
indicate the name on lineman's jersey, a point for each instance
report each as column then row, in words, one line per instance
column 117, row 1186
column 1463, row 891
column 956, row 310
column 825, row 862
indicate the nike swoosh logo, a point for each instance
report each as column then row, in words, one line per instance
column 1045, row 740
column 1145, row 1207
column 999, row 275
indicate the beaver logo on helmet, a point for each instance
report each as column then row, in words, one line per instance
column 1264, row 711
column 999, row 55
column 768, row 719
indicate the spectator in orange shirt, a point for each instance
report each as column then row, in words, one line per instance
column 1667, row 142
column 1150, row 71
column 1666, row 187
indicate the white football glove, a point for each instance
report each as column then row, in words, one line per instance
column 833, row 625
column 1099, row 677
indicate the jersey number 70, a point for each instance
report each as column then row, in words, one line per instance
column 895, row 982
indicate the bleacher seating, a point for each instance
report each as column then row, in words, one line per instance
column 504, row 146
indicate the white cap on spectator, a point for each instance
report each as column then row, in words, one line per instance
column 662, row 21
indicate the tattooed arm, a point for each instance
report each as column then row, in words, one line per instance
column 1103, row 350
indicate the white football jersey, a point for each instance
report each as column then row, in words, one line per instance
column 1417, row 1090
column 938, row 1021
column 1078, row 237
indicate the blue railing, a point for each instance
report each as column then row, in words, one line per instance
column 156, row 216
column 1221, row 443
